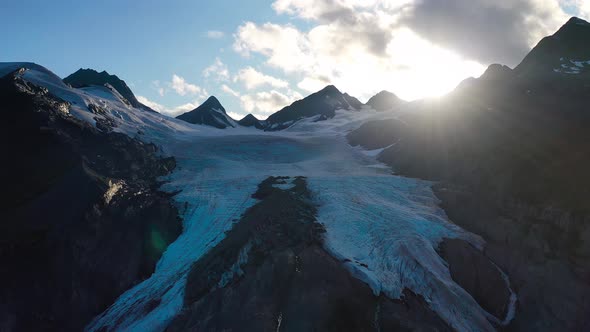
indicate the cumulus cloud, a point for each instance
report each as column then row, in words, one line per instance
column 173, row 112
column 217, row 70
column 262, row 104
column 215, row 34
column 182, row 87
column 282, row 44
column 252, row 79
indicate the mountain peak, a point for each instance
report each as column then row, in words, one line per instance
column 577, row 21
column 249, row 117
column 384, row 101
column 323, row 103
column 251, row 121
column 209, row 113
column 574, row 29
column 86, row 77
column 330, row 89
column 565, row 52
column 213, row 103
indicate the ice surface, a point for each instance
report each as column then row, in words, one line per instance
column 385, row 228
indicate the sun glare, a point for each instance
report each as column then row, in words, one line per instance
column 425, row 69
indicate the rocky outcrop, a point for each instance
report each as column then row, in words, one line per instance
column 84, row 220
column 271, row 273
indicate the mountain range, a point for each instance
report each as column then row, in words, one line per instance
column 468, row 212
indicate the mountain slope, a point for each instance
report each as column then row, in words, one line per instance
column 88, row 77
column 76, row 230
column 210, row 113
column 323, row 104
column 566, row 52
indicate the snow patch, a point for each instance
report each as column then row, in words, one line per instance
column 572, row 67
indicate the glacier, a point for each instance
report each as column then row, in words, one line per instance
column 384, row 228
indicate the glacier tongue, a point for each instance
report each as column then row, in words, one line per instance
column 387, row 229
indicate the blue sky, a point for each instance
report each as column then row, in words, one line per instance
column 140, row 41
column 268, row 53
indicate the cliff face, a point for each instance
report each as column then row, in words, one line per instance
column 544, row 251
column 83, row 221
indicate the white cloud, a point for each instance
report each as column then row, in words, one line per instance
column 182, row 87
column 173, row 112
column 365, row 46
column 215, row 34
column 252, row 79
column 282, row 44
column 229, row 90
column 262, row 104
column 217, row 70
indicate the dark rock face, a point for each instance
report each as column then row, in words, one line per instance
column 210, row 113
column 476, row 274
column 84, row 220
column 272, row 272
column 251, row 121
column 384, row 101
column 511, row 148
column 87, row 77
column 323, row 103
